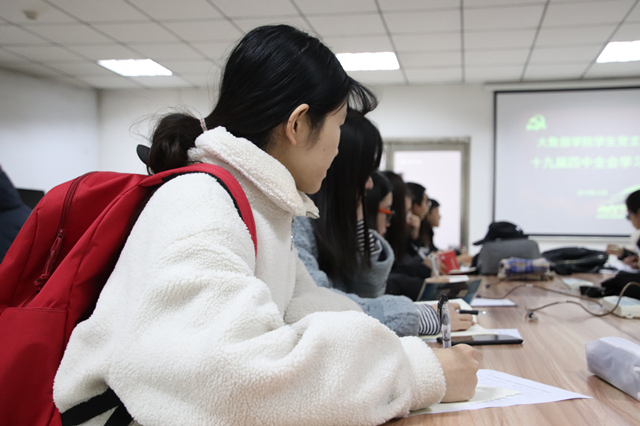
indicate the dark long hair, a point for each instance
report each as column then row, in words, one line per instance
column 633, row 202
column 397, row 231
column 358, row 157
column 269, row 73
column 373, row 197
column 426, row 230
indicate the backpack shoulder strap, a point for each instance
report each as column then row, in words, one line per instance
column 225, row 179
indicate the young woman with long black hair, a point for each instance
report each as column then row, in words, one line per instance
column 194, row 327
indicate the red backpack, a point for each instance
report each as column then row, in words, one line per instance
column 54, row 271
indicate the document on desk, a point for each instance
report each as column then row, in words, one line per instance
column 480, row 302
column 497, row 389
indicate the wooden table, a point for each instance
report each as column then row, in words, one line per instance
column 553, row 353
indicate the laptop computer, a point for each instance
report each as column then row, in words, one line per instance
column 460, row 288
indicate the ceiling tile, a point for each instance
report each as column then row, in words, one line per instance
column 487, row 74
column 248, row 24
column 254, row 9
column 404, row 5
column 434, row 75
column 32, row 68
column 203, row 81
column 615, row 69
column 574, row 36
column 496, row 57
column 140, row 32
column 111, row 51
column 14, row 11
column 585, row 13
column 172, row 10
column 378, row 77
column 205, row 30
column 430, row 60
column 216, row 51
column 513, row 17
column 70, row 33
column 428, row 42
column 555, row 71
column 189, row 67
column 583, row 54
column 167, row 51
column 423, row 22
column 334, row 7
column 485, row 3
column 100, row 10
column 358, row 44
column 115, row 82
column 13, row 35
column 634, row 16
column 499, row 39
column 328, row 26
column 82, row 69
column 70, row 81
column 164, row 81
column 44, row 53
column 627, row 32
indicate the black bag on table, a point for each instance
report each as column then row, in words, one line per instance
column 615, row 285
column 568, row 260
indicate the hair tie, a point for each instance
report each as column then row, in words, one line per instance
column 203, row 125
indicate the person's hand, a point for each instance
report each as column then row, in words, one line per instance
column 615, row 250
column 459, row 322
column 413, row 222
column 465, row 259
column 460, row 364
column 631, row 261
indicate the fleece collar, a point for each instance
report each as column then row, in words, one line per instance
column 264, row 171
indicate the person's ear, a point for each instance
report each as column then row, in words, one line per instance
column 298, row 128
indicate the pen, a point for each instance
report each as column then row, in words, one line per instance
column 445, row 323
column 472, row 312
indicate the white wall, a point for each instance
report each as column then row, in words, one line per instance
column 404, row 112
column 48, row 130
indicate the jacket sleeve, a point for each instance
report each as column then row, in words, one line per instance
column 184, row 333
column 396, row 312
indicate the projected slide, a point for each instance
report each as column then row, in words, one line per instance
column 567, row 160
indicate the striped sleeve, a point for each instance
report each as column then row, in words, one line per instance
column 375, row 247
column 429, row 322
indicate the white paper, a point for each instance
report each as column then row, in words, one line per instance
column 483, row 394
column 530, row 392
column 479, row 302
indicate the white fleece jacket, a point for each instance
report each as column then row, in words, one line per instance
column 193, row 329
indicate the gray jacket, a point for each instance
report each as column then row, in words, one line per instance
column 367, row 288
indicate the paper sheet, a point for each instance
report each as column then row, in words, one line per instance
column 508, row 331
column 480, row 302
column 528, row 392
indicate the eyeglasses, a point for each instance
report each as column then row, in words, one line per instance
column 389, row 214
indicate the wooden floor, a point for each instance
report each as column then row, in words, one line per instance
column 553, row 353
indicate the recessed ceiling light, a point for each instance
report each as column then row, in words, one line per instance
column 134, row 67
column 369, row 61
column 620, row 51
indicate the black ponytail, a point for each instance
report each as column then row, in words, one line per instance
column 271, row 71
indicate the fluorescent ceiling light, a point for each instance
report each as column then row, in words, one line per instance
column 134, row 67
column 620, row 51
column 370, row 61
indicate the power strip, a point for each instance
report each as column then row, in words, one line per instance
column 628, row 307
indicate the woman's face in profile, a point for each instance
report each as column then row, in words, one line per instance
column 384, row 219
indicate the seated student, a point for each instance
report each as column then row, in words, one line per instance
column 432, row 220
column 194, row 327
column 630, row 255
column 338, row 249
column 13, row 213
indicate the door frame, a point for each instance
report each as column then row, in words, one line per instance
column 461, row 144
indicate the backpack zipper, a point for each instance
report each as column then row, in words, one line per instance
column 59, row 239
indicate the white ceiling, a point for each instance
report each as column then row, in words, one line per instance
column 437, row 41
